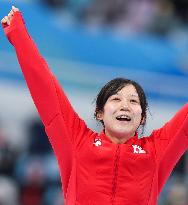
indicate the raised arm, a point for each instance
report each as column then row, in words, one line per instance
column 63, row 126
column 39, row 79
column 171, row 141
column 46, row 92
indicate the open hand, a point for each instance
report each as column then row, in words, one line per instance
column 7, row 19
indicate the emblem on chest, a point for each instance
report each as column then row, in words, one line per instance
column 97, row 142
column 138, row 149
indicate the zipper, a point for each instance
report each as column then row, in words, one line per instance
column 115, row 173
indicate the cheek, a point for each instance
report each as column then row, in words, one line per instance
column 109, row 109
column 138, row 113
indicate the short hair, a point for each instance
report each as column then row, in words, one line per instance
column 113, row 87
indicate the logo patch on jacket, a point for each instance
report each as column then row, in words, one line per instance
column 97, row 142
column 138, row 149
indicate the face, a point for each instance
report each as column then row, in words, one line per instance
column 122, row 114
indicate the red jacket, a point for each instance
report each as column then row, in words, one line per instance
column 95, row 171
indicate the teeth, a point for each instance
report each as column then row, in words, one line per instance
column 123, row 117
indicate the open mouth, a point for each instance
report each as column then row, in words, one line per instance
column 125, row 118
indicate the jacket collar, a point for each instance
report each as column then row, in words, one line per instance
column 130, row 141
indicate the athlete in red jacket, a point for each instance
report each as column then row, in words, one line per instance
column 114, row 167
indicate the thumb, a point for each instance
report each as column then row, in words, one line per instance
column 4, row 22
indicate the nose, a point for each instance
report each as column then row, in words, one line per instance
column 125, row 106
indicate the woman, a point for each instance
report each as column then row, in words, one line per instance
column 114, row 167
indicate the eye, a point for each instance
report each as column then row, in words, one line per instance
column 134, row 101
column 116, row 99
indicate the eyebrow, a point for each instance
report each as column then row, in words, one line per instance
column 132, row 95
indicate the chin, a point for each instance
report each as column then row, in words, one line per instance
column 123, row 133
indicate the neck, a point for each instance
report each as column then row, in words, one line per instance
column 118, row 139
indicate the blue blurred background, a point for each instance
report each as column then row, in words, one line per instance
column 87, row 43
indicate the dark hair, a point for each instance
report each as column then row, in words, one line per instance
column 115, row 85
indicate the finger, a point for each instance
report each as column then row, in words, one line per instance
column 9, row 17
column 7, row 20
column 14, row 9
column 11, row 12
column 3, row 21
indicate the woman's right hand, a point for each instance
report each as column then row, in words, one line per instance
column 6, row 21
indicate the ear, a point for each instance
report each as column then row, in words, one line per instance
column 100, row 116
column 143, row 121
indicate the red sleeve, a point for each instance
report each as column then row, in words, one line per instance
column 171, row 141
column 62, row 124
column 45, row 90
